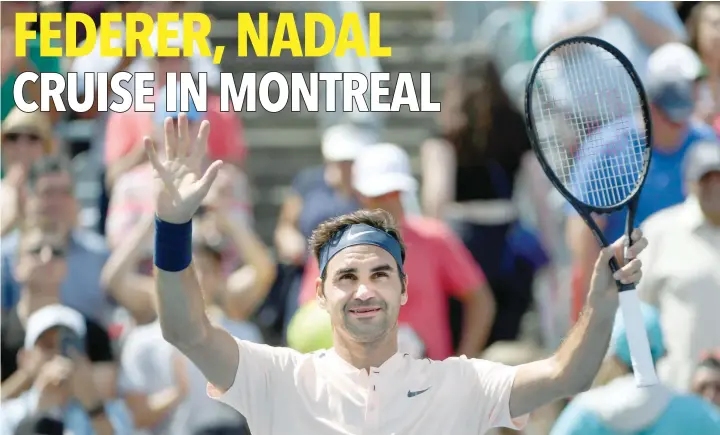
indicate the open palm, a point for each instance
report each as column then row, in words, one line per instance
column 180, row 183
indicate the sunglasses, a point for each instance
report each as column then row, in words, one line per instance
column 15, row 137
column 57, row 252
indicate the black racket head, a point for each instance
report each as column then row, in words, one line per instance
column 589, row 123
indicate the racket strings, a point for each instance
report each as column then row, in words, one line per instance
column 588, row 116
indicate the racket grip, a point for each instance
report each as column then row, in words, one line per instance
column 642, row 361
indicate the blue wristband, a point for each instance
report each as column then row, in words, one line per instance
column 173, row 245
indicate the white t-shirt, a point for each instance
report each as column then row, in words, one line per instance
column 281, row 391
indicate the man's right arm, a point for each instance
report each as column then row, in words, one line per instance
column 186, row 326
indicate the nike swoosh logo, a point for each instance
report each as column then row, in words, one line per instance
column 356, row 235
column 415, row 393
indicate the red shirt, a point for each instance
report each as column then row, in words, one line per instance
column 226, row 142
column 438, row 266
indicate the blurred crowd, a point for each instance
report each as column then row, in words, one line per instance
column 491, row 243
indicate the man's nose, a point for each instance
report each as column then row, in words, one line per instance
column 364, row 293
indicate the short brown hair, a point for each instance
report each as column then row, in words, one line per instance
column 379, row 219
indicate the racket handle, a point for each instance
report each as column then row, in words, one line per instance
column 642, row 361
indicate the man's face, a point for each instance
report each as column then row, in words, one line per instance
column 21, row 148
column 707, row 191
column 664, row 125
column 363, row 292
column 53, row 202
column 706, row 383
column 42, row 260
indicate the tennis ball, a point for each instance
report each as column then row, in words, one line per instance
column 310, row 329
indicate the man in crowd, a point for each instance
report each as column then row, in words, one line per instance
column 439, row 262
column 683, row 277
column 671, row 96
column 41, row 270
column 360, row 384
column 51, row 206
column 706, row 380
column 62, row 386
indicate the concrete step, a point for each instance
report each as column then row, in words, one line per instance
column 309, row 136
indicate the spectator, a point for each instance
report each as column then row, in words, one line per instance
column 62, row 385
column 440, row 264
column 621, row 407
column 51, row 206
column 706, row 380
column 26, row 137
column 469, row 172
column 677, row 58
column 131, row 199
column 635, row 28
column 671, row 99
column 705, row 38
column 317, row 194
column 11, row 66
column 683, row 277
column 125, row 131
column 41, row 269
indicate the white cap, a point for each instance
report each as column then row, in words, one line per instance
column 343, row 142
column 381, row 169
column 50, row 317
column 675, row 59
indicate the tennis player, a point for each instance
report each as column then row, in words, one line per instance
column 362, row 385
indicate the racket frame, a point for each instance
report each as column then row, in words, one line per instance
column 585, row 210
column 642, row 362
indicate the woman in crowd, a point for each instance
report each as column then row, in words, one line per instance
column 704, row 29
column 468, row 169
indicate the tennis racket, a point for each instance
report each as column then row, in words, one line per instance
column 588, row 120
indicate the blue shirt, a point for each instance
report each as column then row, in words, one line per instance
column 663, row 188
column 685, row 414
column 81, row 290
column 73, row 416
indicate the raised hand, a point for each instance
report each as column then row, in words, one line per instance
column 181, row 185
column 603, row 289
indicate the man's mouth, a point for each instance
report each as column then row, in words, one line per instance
column 364, row 311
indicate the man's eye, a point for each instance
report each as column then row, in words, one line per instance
column 380, row 275
column 347, row 276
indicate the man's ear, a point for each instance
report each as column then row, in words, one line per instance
column 319, row 293
column 404, row 295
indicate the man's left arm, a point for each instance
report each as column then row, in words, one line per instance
column 465, row 280
column 575, row 364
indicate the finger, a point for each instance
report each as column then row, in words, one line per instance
column 631, row 279
column 210, row 175
column 633, row 267
column 170, row 139
column 183, row 135
column 199, row 147
column 152, row 154
column 634, row 250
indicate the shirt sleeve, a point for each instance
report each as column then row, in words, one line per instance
column 492, row 383
column 97, row 343
column 459, row 271
column 263, row 373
